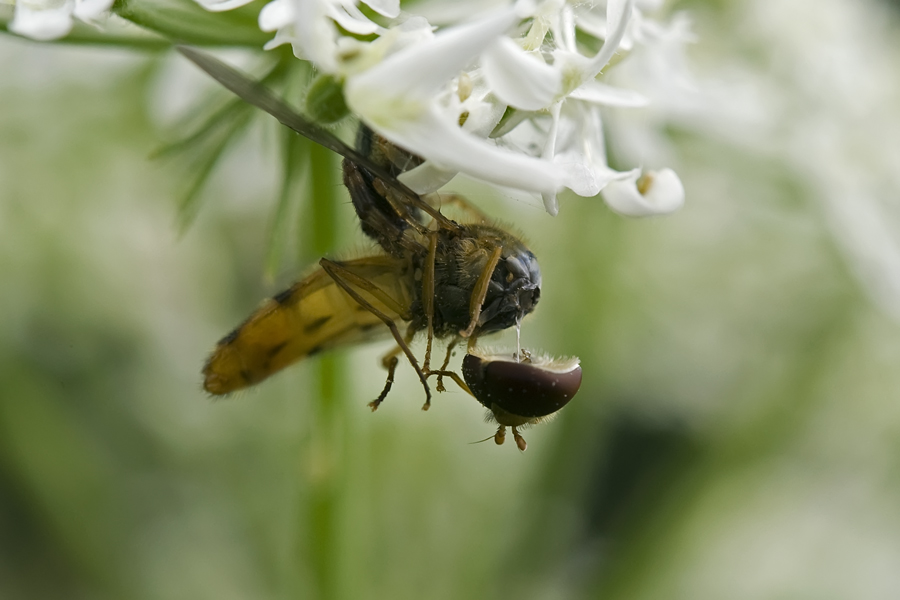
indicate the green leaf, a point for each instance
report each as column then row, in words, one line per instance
column 294, row 168
column 187, row 22
column 192, row 200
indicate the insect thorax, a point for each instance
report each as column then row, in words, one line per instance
column 460, row 260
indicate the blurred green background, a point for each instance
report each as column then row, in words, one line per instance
column 736, row 435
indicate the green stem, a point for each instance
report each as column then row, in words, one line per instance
column 83, row 35
column 324, row 198
column 327, row 491
column 167, row 20
column 186, row 22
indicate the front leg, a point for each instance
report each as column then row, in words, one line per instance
column 479, row 293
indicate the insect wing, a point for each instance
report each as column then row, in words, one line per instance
column 313, row 315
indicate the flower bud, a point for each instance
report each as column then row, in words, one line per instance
column 325, row 99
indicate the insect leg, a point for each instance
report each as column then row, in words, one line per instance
column 480, row 291
column 389, row 362
column 473, row 339
column 463, row 204
column 399, row 203
column 440, row 379
column 391, row 365
column 428, row 298
column 428, row 305
column 342, row 277
column 455, row 377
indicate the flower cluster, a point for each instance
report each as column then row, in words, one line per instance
column 510, row 97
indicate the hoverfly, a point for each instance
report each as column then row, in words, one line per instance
column 453, row 281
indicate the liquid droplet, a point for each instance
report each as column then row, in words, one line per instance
column 519, row 337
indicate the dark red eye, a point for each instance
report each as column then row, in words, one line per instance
column 521, row 392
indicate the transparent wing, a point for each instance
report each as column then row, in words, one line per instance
column 313, row 315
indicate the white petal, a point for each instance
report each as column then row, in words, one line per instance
column 589, row 20
column 316, row 34
column 39, row 21
column 607, row 95
column 527, row 134
column 580, row 152
column 277, row 14
column 440, row 139
column 349, row 17
column 618, row 14
column 426, row 178
column 549, row 149
column 483, row 116
column 91, row 10
column 649, row 6
column 551, row 204
column 563, row 29
column 443, row 14
column 588, row 179
column 386, row 8
column 663, row 193
column 423, row 69
column 519, row 78
column 222, row 5
column 525, row 8
column 285, row 35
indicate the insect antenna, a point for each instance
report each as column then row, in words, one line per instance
column 490, row 437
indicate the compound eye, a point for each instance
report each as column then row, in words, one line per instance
column 516, row 267
column 521, row 392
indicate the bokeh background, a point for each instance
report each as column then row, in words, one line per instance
column 736, row 435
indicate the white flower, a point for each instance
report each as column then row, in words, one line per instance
column 400, row 98
column 311, row 26
column 521, row 78
column 52, row 19
column 443, row 96
column 654, row 193
column 407, row 99
column 221, row 5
